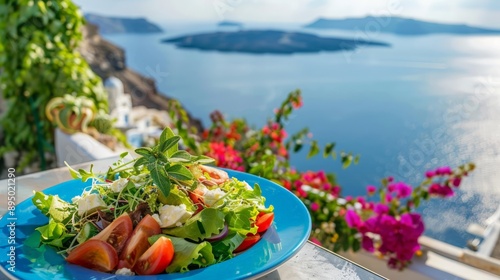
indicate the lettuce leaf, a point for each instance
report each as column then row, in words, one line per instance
column 52, row 206
column 177, row 197
column 187, row 254
column 206, row 223
column 223, row 249
column 54, row 234
column 241, row 219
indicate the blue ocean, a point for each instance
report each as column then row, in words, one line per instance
column 425, row 101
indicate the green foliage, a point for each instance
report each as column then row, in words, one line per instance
column 38, row 41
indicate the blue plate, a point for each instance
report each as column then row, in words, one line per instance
column 290, row 231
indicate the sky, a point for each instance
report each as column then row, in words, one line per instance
column 484, row 13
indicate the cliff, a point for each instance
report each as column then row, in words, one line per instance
column 107, row 60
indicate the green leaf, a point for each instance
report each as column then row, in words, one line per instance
column 298, row 146
column 356, row 159
column 144, row 151
column 160, row 178
column 124, row 154
column 54, row 234
column 223, row 249
column 84, row 175
column 170, row 145
column 206, row 223
column 73, row 172
column 179, row 172
column 164, row 137
column 328, row 149
column 181, row 156
column 314, row 150
column 177, row 197
column 203, row 159
column 52, row 206
column 140, row 161
column 346, row 161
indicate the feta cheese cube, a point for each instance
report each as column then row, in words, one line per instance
column 173, row 215
column 210, row 197
column 118, row 185
column 89, row 204
column 124, row 271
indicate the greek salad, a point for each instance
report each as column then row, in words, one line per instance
column 164, row 211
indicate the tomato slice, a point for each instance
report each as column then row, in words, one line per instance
column 156, row 259
column 94, row 254
column 248, row 242
column 117, row 233
column 138, row 243
column 264, row 221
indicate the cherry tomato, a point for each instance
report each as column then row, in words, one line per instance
column 248, row 242
column 117, row 233
column 94, row 254
column 138, row 243
column 264, row 221
column 216, row 175
column 156, row 259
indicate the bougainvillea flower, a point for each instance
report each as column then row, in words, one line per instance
column 352, row 219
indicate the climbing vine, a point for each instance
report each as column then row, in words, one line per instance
column 39, row 61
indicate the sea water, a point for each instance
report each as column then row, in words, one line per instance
column 425, row 101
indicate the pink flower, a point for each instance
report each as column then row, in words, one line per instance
column 314, row 206
column 367, row 244
column 381, row 209
column 315, row 241
column 444, row 170
column 399, row 236
column 225, row 156
column 352, row 219
column 335, row 191
column 456, row 181
column 361, row 200
column 403, row 190
column 439, row 190
column 430, row 173
column 371, row 189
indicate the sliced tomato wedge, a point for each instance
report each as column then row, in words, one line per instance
column 264, row 221
column 156, row 259
column 248, row 242
column 117, row 233
column 138, row 243
column 94, row 254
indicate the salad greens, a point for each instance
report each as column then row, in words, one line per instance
column 172, row 186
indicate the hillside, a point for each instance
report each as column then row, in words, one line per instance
column 109, row 25
column 399, row 26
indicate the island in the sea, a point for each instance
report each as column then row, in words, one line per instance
column 268, row 41
column 399, row 26
column 109, row 25
column 230, row 23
